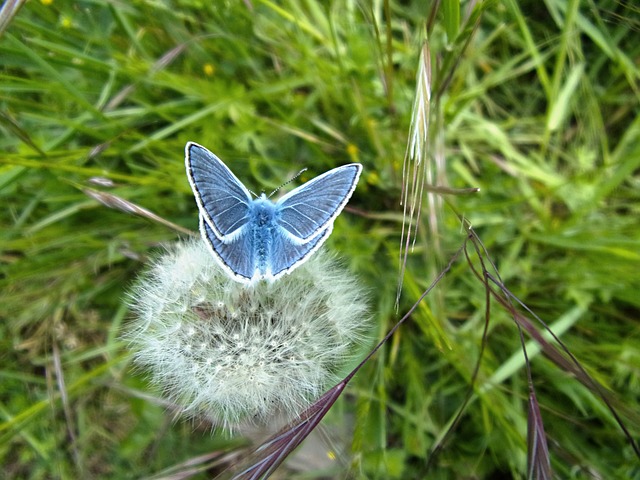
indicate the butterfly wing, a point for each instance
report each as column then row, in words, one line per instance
column 287, row 255
column 310, row 209
column 222, row 199
column 234, row 256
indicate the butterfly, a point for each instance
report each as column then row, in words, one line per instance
column 254, row 238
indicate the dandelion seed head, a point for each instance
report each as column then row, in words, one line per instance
column 242, row 354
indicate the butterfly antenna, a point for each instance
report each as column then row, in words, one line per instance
column 288, row 181
column 253, row 193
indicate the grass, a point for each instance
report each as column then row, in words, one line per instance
column 535, row 103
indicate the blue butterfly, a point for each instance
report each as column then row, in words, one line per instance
column 256, row 239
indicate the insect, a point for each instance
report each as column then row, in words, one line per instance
column 255, row 239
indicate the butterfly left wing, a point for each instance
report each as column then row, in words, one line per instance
column 310, row 209
column 234, row 256
column 222, row 199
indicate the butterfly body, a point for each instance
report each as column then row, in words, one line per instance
column 256, row 239
column 261, row 229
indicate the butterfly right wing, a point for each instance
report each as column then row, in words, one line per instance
column 308, row 210
column 287, row 255
column 235, row 256
column 222, row 199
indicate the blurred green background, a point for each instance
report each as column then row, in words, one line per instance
column 536, row 103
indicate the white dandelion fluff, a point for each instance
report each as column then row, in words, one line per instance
column 242, row 354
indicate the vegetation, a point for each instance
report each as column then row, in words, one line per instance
column 534, row 103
